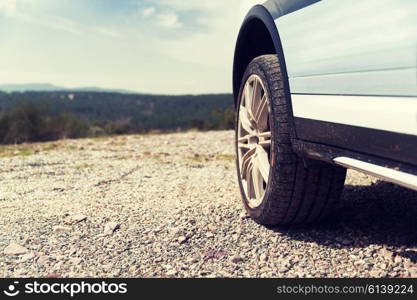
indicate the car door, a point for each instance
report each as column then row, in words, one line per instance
column 352, row 72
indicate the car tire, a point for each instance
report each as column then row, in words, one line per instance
column 291, row 190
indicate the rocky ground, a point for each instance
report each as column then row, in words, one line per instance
column 169, row 206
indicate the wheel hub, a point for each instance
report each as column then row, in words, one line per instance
column 254, row 140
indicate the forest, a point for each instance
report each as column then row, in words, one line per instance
column 52, row 115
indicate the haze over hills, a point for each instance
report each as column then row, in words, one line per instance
column 47, row 87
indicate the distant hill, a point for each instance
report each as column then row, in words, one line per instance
column 47, row 87
column 9, row 88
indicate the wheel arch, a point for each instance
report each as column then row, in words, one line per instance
column 259, row 36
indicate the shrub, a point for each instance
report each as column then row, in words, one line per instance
column 28, row 122
column 225, row 119
column 122, row 126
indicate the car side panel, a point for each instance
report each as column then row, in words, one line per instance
column 350, row 47
column 352, row 73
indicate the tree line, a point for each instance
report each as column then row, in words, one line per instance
column 46, row 116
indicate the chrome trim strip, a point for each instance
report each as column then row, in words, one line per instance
column 398, row 177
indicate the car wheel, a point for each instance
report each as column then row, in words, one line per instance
column 277, row 186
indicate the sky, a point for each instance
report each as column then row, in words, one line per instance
column 148, row 46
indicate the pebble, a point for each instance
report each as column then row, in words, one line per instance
column 53, row 275
column 263, row 257
column 111, row 227
column 61, row 229
column 398, row 259
column 79, row 218
column 211, row 227
column 75, row 261
column 244, row 216
column 15, row 249
column 27, row 257
column 42, row 260
column 236, row 259
column 182, row 239
column 171, row 273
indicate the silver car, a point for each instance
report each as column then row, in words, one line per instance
column 321, row 86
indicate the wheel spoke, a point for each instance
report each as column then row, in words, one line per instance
column 244, row 146
column 249, row 101
column 244, row 120
column 257, row 182
column 265, row 139
column 265, row 135
column 247, row 161
column 256, row 97
column 265, row 144
column 244, row 139
column 249, row 180
column 262, row 162
column 261, row 115
column 243, row 142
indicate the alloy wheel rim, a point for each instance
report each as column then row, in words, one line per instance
column 254, row 140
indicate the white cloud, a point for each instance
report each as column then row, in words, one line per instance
column 22, row 11
column 8, row 7
column 233, row 9
column 56, row 22
column 187, row 5
column 212, row 46
column 169, row 20
column 52, row 22
column 211, row 50
column 107, row 32
column 148, row 11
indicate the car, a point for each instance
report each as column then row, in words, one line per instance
column 319, row 87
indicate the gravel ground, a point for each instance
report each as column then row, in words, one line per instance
column 169, row 206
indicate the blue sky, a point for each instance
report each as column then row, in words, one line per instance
column 159, row 46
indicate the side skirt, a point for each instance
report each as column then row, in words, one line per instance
column 398, row 177
column 393, row 171
column 380, row 143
